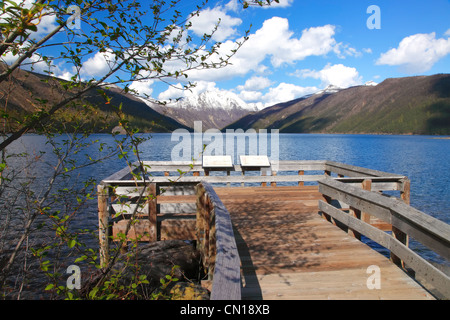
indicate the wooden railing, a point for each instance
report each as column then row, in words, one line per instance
column 131, row 210
column 405, row 220
column 209, row 225
column 122, row 196
column 286, row 171
column 217, row 245
column 127, row 194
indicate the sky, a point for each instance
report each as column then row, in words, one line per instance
column 298, row 47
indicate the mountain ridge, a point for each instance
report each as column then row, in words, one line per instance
column 215, row 109
column 408, row 105
column 22, row 93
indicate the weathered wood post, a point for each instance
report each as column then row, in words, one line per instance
column 263, row 173
column 366, row 185
column 103, row 223
column 200, row 219
column 273, row 184
column 406, row 191
column 301, row 173
column 397, row 233
column 211, row 239
column 152, row 212
column 357, row 214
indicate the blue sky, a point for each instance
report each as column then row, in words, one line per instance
column 301, row 46
column 298, row 47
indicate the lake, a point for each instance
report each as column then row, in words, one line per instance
column 423, row 159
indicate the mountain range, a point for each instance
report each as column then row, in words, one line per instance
column 409, row 105
column 215, row 109
column 28, row 92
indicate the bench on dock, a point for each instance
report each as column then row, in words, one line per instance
column 181, row 200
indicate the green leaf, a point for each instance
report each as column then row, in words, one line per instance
column 72, row 243
column 93, row 293
column 49, row 287
column 82, row 258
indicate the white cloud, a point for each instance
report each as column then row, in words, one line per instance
column 280, row 4
column 338, row 75
column 143, row 87
column 233, row 5
column 98, row 65
column 250, row 96
column 178, row 91
column 447, row 33
column 275, row 41
column 416, row 53
column 255, row 83
column 207, row 19
column 286, row 92
column 344, row 50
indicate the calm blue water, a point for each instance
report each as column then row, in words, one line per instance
column 424, row 159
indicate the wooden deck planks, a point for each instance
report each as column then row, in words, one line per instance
column 288, row 251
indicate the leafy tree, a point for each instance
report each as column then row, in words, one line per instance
column 141, row 41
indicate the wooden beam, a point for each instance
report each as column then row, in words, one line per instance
column 406, row 191
column 152, row 212
column 366, row 185
column 103, row 224
column 356, row 214
column 427, row 271
column 301, row 173
column 273, row 184
column 227, row 275
column 431, row 232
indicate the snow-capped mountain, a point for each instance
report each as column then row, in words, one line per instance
column 216, row 109
column 329, row 89
column 370, row 83
column 218, row 99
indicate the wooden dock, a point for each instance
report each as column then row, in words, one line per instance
column 288, row 251
column 294, row 233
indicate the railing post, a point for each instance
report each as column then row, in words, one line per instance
column 202, row 225
column 152, row 212
column 397, row 233
column 206, row 244
column 199, row 219
column 366, row 185
column 103, row 223
column 406, row 191
column 211, row 240
column 301, row 173
column 273, row 184
column 263, row 173
column 325, row 215
column 357, row 214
